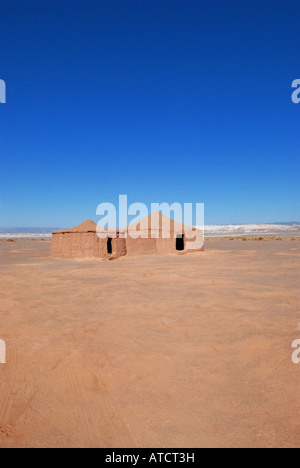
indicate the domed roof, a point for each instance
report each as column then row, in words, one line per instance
column 86, row 226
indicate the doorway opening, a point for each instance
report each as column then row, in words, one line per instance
column 180, row 242
column 109, row 245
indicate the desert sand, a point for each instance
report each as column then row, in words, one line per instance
column 154, row 351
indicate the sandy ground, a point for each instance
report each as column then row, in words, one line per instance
column 160, row 351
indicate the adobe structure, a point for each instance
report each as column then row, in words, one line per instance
column 154, row 234
column 83, row 241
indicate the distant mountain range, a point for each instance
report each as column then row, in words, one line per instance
column 47, row 230
column 28, row 230
column 290, row 223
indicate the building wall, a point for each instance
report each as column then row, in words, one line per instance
column 166, row 245
column 119, row 248
column 140, row 246
column 83, row 245
column 72, row 245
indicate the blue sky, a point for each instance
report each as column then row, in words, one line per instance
column 164, row 101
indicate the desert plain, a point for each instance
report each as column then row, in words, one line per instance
column 154, row 351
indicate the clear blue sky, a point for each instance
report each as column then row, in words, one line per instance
column 180, row 100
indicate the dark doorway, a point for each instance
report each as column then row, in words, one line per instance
column 109, row 246
column 180, row 242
